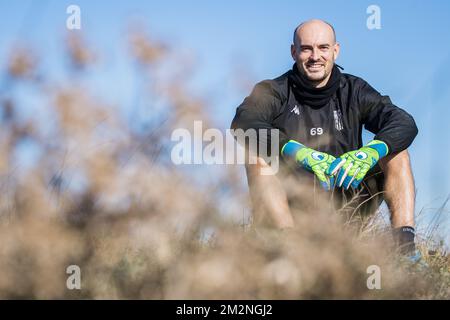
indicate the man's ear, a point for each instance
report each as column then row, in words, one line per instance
column 293, row 52
column 337, row 49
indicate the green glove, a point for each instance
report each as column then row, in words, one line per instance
column 354, row 165
column 310, row 159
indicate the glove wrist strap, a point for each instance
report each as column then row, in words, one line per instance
column 291, row 148
column 379, row 146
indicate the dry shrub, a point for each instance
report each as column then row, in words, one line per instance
column 103, row 195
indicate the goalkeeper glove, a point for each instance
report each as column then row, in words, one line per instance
column 310, row 159
column 354, row 165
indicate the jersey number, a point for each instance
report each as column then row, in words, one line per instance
column 315, row 131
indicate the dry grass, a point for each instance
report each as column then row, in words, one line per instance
column 103, row 195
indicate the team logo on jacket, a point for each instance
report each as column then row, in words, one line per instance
column 296, row 110
column 338, row 120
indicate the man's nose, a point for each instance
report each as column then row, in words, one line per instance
column 315, row 54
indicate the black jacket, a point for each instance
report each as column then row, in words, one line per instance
column 334, row 128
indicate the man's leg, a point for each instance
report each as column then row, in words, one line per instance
column 400, row 198
column 268, row 197
column 399, row 188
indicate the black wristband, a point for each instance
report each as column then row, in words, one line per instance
column 404, row 238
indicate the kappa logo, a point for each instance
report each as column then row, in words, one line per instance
column 296, row 110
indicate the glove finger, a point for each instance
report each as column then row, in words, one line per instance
column 356, row 183
column 335, row 166
column 324, row 182
column 350, row 183
column 330, row 160
column 323, row 166
column 352, row 174
column 360, row 176
column 325, row 185
column 347, row 181
column 362, row 173
column 339, row 175
column 354, row 169
column 343, row 173
column 320, row 174
column 332, row 181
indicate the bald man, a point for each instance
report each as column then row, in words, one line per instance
column 320, row 114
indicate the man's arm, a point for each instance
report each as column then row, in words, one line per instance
column 390, row 124
column 258, row 111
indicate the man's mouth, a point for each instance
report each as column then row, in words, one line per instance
column 314, row 66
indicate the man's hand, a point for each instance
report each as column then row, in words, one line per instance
column 310, row 159
column 352, row 166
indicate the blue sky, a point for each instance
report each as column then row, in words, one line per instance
column 407, row 59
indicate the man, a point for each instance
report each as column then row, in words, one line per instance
column 320, row 113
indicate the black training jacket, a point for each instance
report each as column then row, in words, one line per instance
column 334, row 128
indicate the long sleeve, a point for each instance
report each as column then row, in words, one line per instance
column 258, row 111
column 389, row 123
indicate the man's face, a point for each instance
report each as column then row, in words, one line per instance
column 315, row 52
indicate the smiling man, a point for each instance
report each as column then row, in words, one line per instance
column 320, row 114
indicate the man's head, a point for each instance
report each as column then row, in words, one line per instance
column 315, row 49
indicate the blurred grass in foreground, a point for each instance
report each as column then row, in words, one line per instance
column 102, row 193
